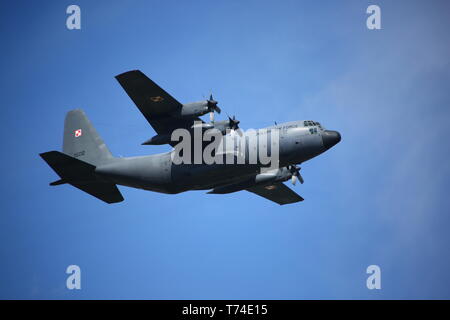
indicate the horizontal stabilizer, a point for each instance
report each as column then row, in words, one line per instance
column 81, row 175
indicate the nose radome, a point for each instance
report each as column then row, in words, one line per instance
column 330, row 138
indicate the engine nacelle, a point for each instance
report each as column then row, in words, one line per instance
column 275, row 175
column 272, row 176
column 194, row 109
column 202, row 126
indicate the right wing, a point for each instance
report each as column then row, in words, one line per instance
column 277, row 192
column 157, row 106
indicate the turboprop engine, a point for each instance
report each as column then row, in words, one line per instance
column 197, row 109
column 269, row 177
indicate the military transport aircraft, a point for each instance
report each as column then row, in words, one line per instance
column 87, row 164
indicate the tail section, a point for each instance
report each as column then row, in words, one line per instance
column 81, row 175
column 82, row 141
column 83, row 151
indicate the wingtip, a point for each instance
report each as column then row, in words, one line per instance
column 121, row 199
column 127, row 73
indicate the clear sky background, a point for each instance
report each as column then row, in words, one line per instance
column 379, row 197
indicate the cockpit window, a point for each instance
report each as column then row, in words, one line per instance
column 310, row 123
column 312, row 130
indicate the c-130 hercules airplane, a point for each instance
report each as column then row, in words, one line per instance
column 87, row 164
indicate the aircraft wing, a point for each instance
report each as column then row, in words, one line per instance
column 155, row 104
column 277, row 192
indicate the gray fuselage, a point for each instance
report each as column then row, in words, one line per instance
column 299, row 141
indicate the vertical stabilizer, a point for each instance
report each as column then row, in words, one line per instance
column 82, row 141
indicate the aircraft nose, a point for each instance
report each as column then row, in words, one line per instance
column 330, row 138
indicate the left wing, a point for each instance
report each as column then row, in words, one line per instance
column 277, row 192
column 157, row 106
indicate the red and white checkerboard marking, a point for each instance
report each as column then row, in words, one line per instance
column 77, row 133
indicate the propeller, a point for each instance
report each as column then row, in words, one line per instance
column 212, row 107
column 233, row 123
column 295, row 170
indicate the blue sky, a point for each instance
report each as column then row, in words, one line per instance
column 379, row 197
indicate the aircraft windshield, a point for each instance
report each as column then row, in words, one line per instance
column 310, row 123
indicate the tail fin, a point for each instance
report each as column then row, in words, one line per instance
column 82, row 141
column 81, row 175
column 83, row 151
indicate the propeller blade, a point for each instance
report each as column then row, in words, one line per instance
column 211, row 116
column 233, row 123
column 300, row 178
column 294, row 179
column 212, row 106
column 295, row 171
